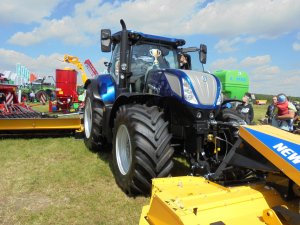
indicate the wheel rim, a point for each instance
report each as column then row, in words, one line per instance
column 88, row 118
column 123, row 150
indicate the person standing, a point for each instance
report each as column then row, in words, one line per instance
column 271, row 110
column 246, row 109
column 286, row 114
column 31, row 96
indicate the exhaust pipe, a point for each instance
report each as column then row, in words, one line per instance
column 123, row 58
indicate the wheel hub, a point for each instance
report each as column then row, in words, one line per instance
column 88, row 118
column 123, row 150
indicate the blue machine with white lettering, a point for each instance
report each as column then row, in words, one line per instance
column 281, row 148
column 265, row 149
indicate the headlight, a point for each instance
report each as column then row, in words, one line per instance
column 220, row 99
column 188, row 92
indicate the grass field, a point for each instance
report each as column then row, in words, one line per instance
column 58, row 181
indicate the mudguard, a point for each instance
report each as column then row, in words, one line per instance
column 103, row 88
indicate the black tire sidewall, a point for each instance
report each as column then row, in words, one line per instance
column 94, row 141
column 151, row 151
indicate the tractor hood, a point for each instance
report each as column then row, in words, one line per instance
column 195, row 88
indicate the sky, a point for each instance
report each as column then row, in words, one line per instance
column 260, row 37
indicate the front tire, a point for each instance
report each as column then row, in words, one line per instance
column 141, row 148
column 93, row 115
column 230, row 115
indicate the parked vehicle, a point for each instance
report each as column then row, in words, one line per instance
column 147, row 108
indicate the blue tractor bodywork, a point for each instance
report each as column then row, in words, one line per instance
column 146, row 106
column 169, row 83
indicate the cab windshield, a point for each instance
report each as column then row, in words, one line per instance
column 143, row 58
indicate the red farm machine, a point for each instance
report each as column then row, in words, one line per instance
column 10, row 107
column 17, row 118
column 67, row 93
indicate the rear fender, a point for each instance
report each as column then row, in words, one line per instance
column 103, row 88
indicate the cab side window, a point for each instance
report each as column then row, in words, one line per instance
column 115, row 63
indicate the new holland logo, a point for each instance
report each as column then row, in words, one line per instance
column 288, row 153
column 204, row 78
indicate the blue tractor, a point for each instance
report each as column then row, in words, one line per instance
column 148, row 109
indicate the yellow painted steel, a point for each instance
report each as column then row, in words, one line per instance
column 270, row 217
column 75, row 61
column 279, row 162
column 41, row 124
column 196, row 201
column 272, row 131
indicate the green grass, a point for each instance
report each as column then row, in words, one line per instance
column 58, row 181
column 259, row 112
column 39, row 107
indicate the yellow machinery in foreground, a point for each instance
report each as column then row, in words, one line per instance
column 273, row 200
column 40, row 126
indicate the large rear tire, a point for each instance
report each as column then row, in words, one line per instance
column 92, row 118
column 141, row 148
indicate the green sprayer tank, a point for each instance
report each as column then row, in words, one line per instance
column 235, row 83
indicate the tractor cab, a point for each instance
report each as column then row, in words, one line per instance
column 144, row 53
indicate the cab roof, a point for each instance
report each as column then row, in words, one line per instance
column 138, row 36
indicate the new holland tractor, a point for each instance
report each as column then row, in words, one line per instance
column 149, row 109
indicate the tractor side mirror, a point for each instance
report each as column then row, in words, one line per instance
column 105, row 40
column 202, row 53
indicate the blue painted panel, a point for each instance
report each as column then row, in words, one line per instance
column 107, row 88
column 288, row 151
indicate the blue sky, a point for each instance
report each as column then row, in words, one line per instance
column 260, row 37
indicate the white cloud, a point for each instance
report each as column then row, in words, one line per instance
column 224, row 18
column 25, row 11
column 41, row 65
column 224, row 64
column 256, row 61
column 263, row 18
column 152, row 16
column 296, row 46
column 227, row 45
column 64, row 29
column 265, row 73
column 230, row 45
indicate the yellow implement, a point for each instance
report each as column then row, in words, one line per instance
column 195, row 201
column 40, row 124
column 198, row 201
